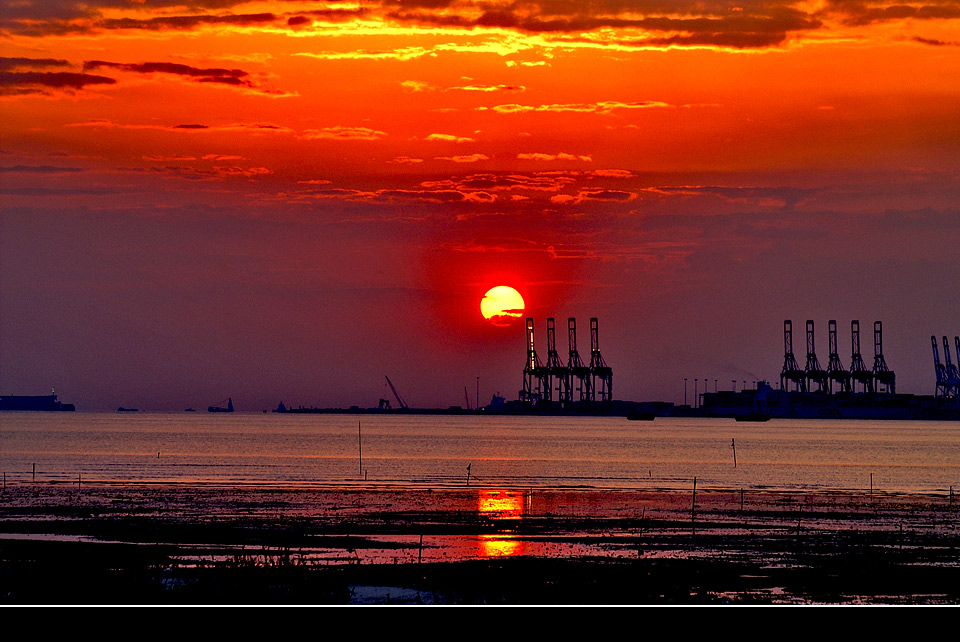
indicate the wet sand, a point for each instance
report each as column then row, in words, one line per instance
column 113, row 543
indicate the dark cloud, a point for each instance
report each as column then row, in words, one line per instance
column 864, row 13
column 7, row 64
column 752, row 24
column 235, row 77
column 31, row 82
column 187, row 22
column 935, row 43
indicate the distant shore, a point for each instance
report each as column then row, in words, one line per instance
column 107, row 543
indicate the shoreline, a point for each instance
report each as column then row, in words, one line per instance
column 144, row 543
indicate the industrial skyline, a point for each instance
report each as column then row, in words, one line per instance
column 288, row 200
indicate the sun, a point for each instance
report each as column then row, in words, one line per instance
column 501, row 305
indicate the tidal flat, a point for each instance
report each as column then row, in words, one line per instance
column 103, row 543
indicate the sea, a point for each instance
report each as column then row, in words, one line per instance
column 502, row 451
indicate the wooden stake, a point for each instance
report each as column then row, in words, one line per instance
column 360, row 444
column 34, row 472
column 468, row 473
column 420, row 553
column 733, row 444
column 871, row 484
column 741, row 500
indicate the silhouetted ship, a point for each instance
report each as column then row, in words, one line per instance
column 44, row 403
column 229, row 407
column 122, row 409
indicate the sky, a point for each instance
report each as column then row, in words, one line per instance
column 290, row 200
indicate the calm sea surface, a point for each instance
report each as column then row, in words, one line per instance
column 529, row 452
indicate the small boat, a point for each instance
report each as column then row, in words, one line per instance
column 122, row 409
column 229, row 407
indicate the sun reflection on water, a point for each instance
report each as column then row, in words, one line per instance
column 503, row 508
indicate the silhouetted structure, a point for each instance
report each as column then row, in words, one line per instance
column 835, row 370
column 532, row 371
column 812, row 371
column 602, row 374
column 579, row 386
column 565, row 386
column 943, row 388
column 791, row 369
column 951, row 372
column 555, row 373
column 229, row 407
column 38, row 403
column 858, row 369
column 396, row 395
column 882, row 375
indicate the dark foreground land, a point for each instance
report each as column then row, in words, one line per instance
column 161, row 544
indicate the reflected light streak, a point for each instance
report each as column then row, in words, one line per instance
column 498, row 546
column 500, row 506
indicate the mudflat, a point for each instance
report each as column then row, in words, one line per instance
column 142, row 543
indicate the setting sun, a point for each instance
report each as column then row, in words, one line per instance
column 501, row 305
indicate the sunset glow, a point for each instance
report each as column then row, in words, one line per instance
column 502, row 305
column 271, row 199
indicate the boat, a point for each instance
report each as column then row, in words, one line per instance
column 229, row 407
column 641, row 415
column 122, row 409
column 46, row 403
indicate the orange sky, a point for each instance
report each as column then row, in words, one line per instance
column 289, row 199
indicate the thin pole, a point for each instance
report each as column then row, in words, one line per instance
column 468, row 473
column 478, row 394
column 733, row 443
column 693, row 506
column 34, row 472
column 420, row 553
column 741, row 500
column 360, row 444
column 871, row 484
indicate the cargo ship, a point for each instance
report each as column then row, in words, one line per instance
column 229, row 407
column 41, row 403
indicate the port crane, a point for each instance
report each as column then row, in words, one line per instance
column 403, row 404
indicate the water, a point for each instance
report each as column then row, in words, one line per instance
column 521, row 452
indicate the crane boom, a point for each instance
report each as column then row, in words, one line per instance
column 403, row 404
